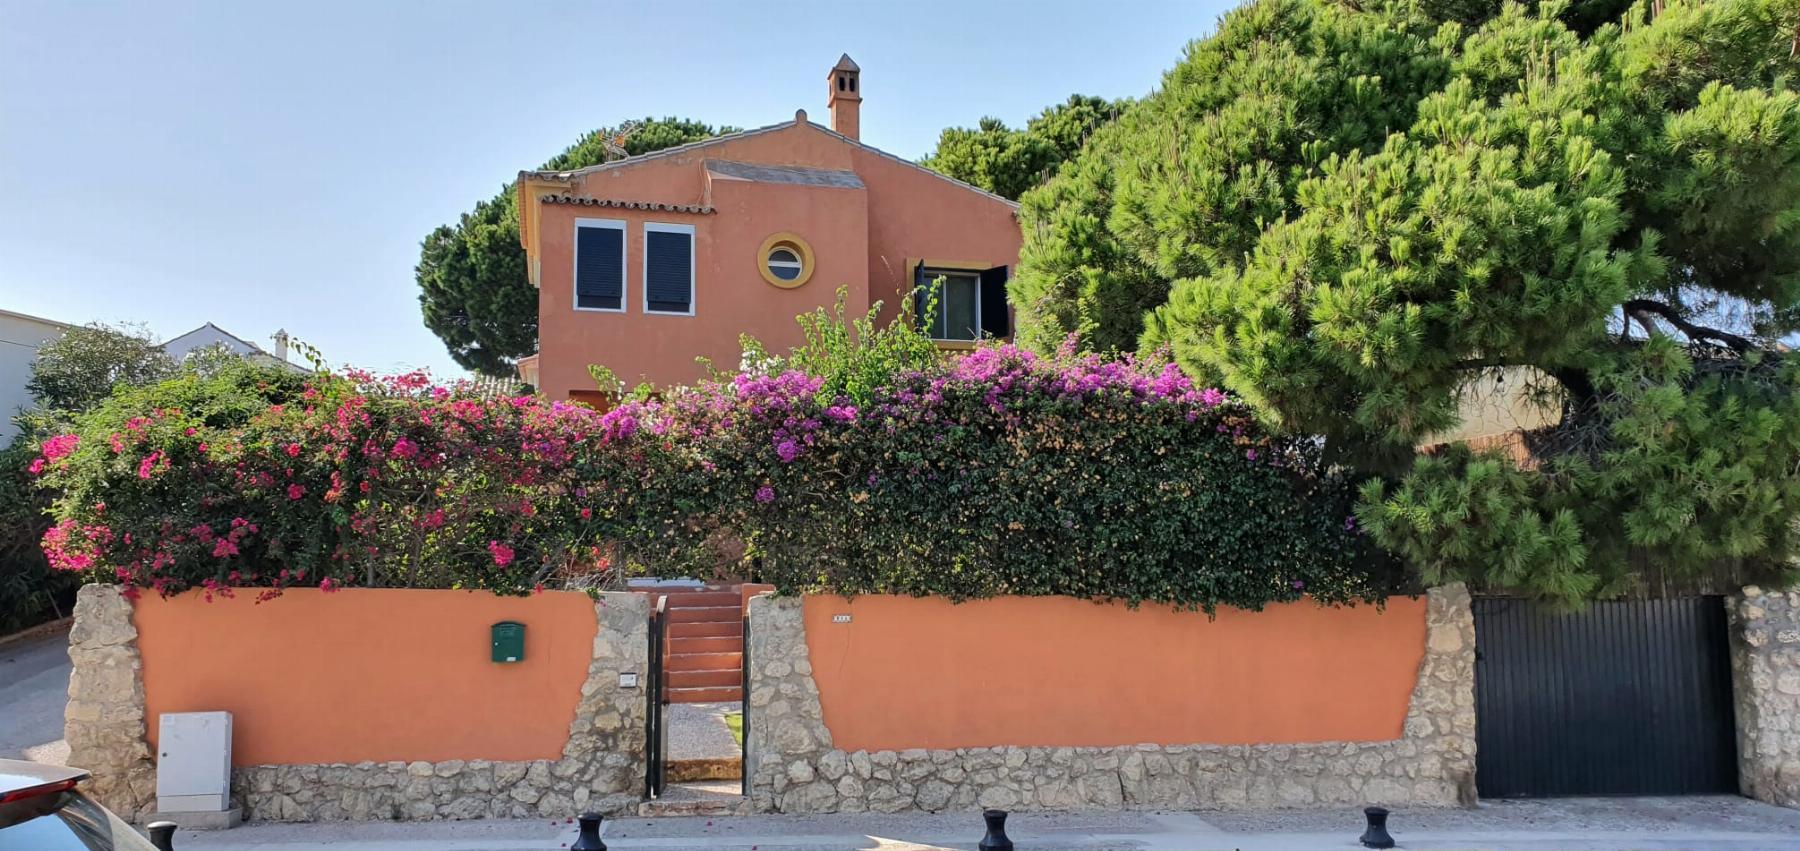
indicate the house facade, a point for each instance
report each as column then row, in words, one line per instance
column 647, row 264
column 209, row 335
column 21, row 335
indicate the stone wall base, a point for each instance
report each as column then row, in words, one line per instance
column 455, row 789
column 1145, row 777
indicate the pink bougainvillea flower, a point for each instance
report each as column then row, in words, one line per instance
column 61, row 445
column 224, row 548
column 296, row 491
column 765, row 494
column 503, row 554
column 328, row 585
column 404, row 448
column 37, row 466
column 148, row 464
column 587, row 513
column 293, row 449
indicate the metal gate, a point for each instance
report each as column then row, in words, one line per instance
column 656, row 696
column 1621, row 698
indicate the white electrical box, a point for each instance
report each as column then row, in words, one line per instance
column 193, row 762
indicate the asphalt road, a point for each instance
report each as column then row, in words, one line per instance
column 34, row 685
column 1710, row 823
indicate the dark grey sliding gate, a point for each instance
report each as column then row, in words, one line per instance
column 1622, row 698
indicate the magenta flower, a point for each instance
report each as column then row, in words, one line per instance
column 60, row 445
column 296, row 491
column 503, row 554
column 787, row 451
column 765, row 494
column 404, row 448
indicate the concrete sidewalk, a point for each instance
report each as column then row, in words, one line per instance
column 1596, row 824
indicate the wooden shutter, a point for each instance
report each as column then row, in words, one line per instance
column 600, row 268
column 668, row 271
column 996, row 318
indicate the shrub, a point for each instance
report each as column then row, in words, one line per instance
column 999, row 472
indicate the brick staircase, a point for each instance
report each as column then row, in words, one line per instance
column 706, row 644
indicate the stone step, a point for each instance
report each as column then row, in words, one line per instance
column 684, row 644
column 706, row 630
column 705, row 694
column 713, row 800
column 706, row 614
column 704, row 661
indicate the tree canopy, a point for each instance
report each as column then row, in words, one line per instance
column 473, row 289
column 1007, row 162
column 1355, row 215
column 79, row 370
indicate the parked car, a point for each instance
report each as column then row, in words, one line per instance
column 42, row 809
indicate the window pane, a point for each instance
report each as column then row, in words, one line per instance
column 957, row 307
column 782, row 255
column 786, row 273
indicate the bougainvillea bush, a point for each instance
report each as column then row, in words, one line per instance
column 998, row 472
column 1011, row 473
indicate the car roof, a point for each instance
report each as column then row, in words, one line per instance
column 18, row 774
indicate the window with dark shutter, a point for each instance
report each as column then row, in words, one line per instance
column 960, row 314
column 600, row 264
column 668, row 268
column 996, row 319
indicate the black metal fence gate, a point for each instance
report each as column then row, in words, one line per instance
column 656, row 700
column 1622, row 698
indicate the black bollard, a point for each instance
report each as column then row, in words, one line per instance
column 995, row 840
column 1376, row 836
column 162, row 835
column 589, row 837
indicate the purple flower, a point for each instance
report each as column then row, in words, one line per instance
column 1211, row 397
column 787, row 451
column 765, row 494
column 1250, row 454
column 1299, row 586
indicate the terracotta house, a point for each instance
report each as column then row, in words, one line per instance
column 647, row 263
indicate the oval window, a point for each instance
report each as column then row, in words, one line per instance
column 784, row 263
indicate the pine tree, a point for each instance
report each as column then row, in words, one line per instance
column 1352, row 216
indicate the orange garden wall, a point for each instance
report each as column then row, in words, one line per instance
column 1058, row 703
column 1054, row 671
column 369, row 674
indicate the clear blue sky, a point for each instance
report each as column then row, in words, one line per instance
column 266, row 166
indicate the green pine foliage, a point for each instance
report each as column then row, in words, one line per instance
column 1348, row 214
column 473, row 289
column 1007, row 162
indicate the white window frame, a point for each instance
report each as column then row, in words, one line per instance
column 575, row 265
column 798, row 264
column 693, row 269
column 931, row 275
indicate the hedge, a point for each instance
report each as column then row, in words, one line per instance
column 999, row 472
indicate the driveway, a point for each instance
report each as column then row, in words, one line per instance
column 1716, row 823
column 35, row 674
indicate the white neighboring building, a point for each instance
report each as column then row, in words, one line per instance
column 212, row 335
column 21, row 336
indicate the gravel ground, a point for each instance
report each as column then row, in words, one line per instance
column 698, row 731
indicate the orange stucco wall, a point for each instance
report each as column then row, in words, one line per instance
column 862, row 239
column 369, row 674
column 1055, row 671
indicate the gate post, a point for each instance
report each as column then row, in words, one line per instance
column 1765, row 675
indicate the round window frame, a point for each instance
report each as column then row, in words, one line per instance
column 794, row 243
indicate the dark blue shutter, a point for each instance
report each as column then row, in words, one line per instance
column 599, row 268
column 669, row 275
column 922, row 299
column 996, row 320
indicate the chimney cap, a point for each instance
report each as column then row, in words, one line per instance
column 844, row 63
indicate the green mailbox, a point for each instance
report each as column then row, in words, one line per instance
column 509, row 641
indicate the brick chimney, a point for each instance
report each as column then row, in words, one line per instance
column 845, row 100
